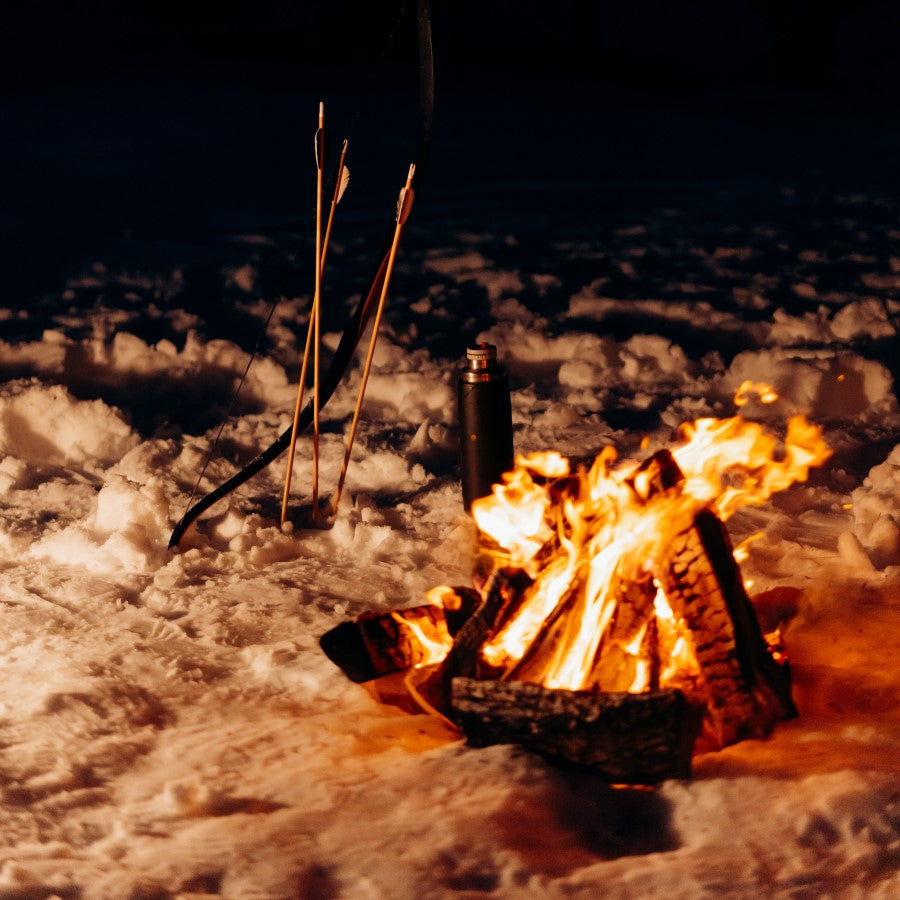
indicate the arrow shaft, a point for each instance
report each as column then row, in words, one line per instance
column 403, row 207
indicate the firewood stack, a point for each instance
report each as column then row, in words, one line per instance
column 735, row 690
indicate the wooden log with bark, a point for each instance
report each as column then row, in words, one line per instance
column 616, row 666
column 627, row 738
column 504, row 590
column 379, row 643
column 745, row 689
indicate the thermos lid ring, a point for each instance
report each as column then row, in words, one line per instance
column 483, row 354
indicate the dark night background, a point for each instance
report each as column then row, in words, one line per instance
column 170, row 121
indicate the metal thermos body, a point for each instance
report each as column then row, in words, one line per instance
column 485, row 422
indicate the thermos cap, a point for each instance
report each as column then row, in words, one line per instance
column 482, row 356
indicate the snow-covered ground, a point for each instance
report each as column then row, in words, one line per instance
column 170, row 727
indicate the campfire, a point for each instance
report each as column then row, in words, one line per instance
column 608, row 624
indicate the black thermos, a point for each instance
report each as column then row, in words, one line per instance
column 485, row 422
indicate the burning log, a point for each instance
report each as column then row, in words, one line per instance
column 376, row 644
column 617, row 659
column 746, row 689
column 550, row 639
column 631, row 638
column 628, row 738
column 655, row 475
column 504, row 590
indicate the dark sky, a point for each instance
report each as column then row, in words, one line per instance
column 651, row 42
column 160, row 117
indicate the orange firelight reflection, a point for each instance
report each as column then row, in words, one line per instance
column 590, row 537
column 765, row 392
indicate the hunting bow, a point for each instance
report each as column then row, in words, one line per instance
column 364, row 309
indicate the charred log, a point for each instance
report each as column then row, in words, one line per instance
column 376, row 644
column 616, row 663
column 503, row 592
column 459, row 603
column 747, row 691
column 628, row 738
column 551, row 635
column 656, row 474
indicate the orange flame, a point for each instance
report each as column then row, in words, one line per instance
column 730, row 463
column 765, row 392
column 605, row 529
column 431, row 637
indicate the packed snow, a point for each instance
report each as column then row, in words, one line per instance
column 168, row 723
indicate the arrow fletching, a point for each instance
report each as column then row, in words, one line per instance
column 345, row 180
column 405, row 200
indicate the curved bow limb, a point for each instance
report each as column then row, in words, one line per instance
column 332, row 378
column 364, row 310
column 314, row 329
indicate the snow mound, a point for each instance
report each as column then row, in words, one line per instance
column 46, row 425
column 876, row 511
column 588, row 304
column 126, row 535
column 823, row 385
column 865, row 319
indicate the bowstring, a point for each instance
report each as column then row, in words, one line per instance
column 232, row 404
column 377, row 67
